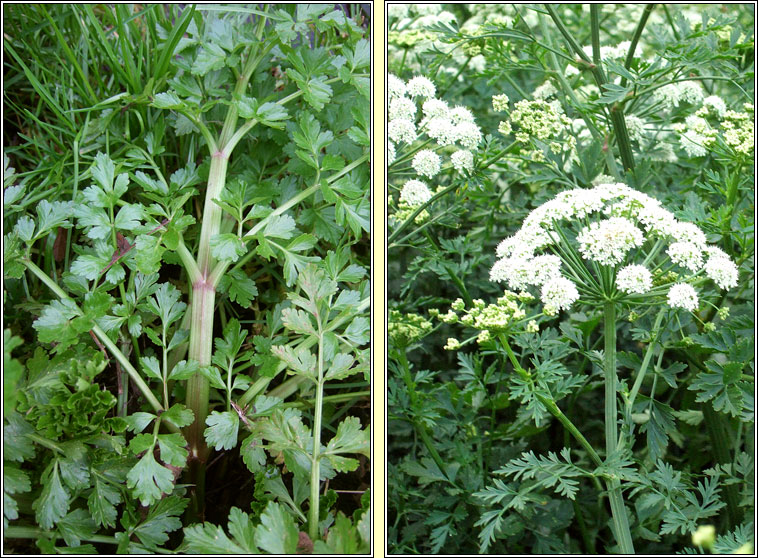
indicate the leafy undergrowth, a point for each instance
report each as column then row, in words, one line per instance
column 186, row 279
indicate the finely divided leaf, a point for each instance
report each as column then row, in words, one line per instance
column 149, row 480
column 277, row 533
column 350, row 438
column 52, row 504
column 222, row 429
column 227, row 247
column 102, row 502
column 179, row 415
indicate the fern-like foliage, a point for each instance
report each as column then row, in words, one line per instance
column 549, row 471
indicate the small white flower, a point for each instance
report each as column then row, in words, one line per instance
column 401, row 130
column 559, row 294
column 715, row 252
column 420, row 86
column 688, row 232
column 686, row 254
column 545, row 91
column 544, row 268
column 668, row 96
column 390, row 152
column 402, row 107
column 684, row 296
column 716, row 104
column 607, row 242
column 441, row 130
column 500, row 103
column 635, row 126
column 692, row 143
column 514, row 270
column 426, row 163
column 415, row 193
column 395, row 86
column 722, row 271
column 469, row 134
column 435, row 108
column 505, row 127
column 462, row 160
column 452, row 344
column 691, row 92
column 634, row 279
column 461, row 114
column 657, row 219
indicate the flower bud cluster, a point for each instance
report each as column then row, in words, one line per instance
column 405, row 329
column 489, row 319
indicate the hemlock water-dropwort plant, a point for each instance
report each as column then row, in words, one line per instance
column 583, row 82
column 191, row 281
column 610, row 247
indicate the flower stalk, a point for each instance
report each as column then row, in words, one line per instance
column 618, row 511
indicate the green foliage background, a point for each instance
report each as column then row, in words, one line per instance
column 109, row 114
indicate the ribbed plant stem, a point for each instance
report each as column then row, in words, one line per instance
column 616, row 111
column 313, row 511
column 616, row 498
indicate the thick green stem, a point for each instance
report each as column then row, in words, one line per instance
column 611, row 413
column 635, row 39
column 313, row 511
column 719, row 432
column 616, row 498
column 212, row 212
column 198, row 389
column 616, row 111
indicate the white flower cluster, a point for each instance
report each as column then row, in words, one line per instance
column 700, row 131
column 490, row 318
column 621, row 220
column 634, row 279
column 684, row 91
column 545, row 91
column 558, row 294
column 500, row 102
column 463, row 161
column 635, row 126
column 696, row 135
column 715, row 104
column 613, row 52
column 684, row 296
column 607, row 242
column 447, row 126
column 414, row 193
column 426, row 163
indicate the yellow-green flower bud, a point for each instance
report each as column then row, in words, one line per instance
column 704, row 536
